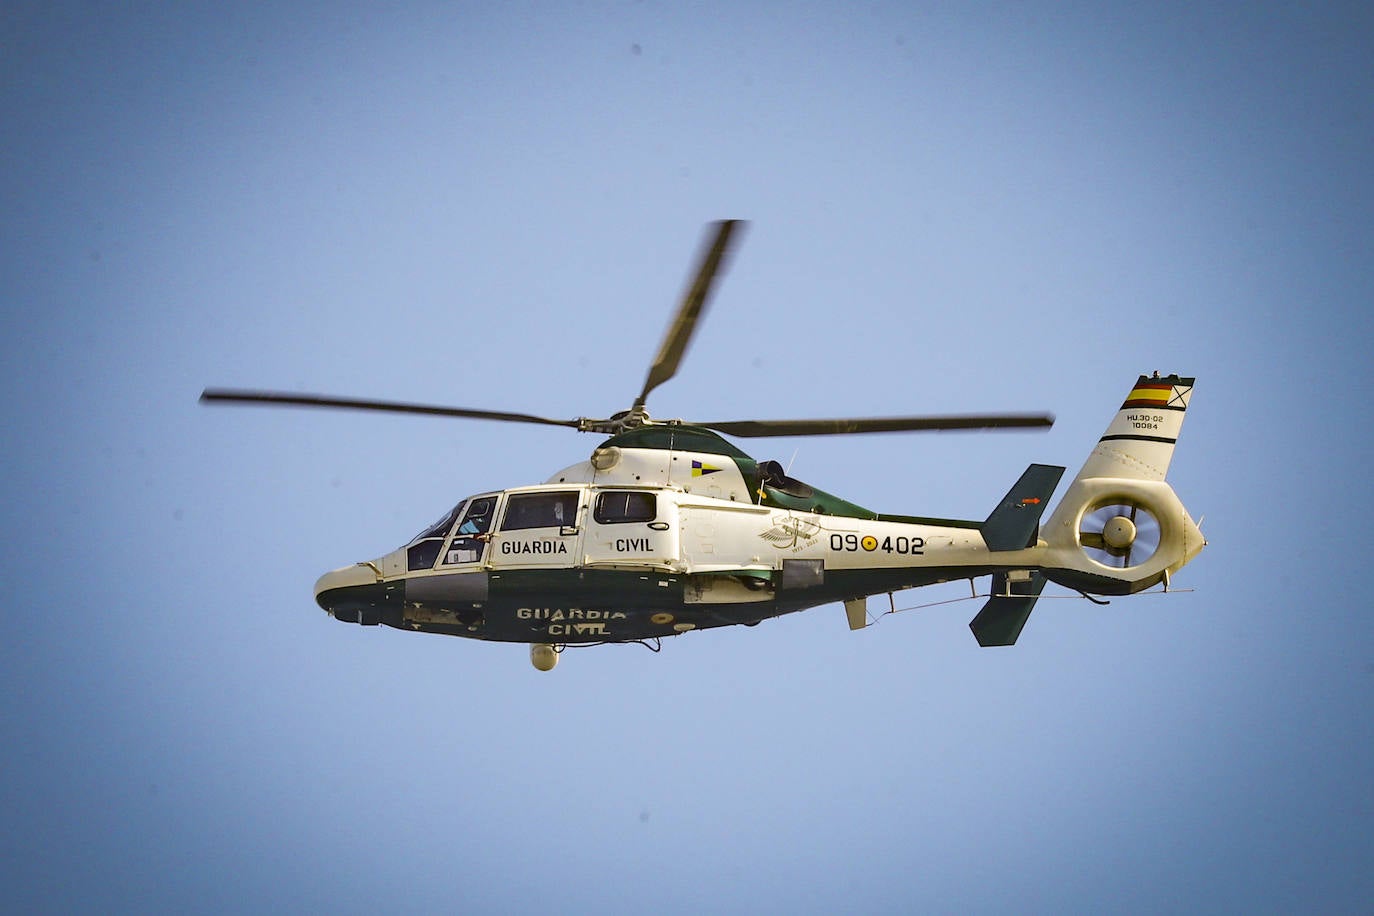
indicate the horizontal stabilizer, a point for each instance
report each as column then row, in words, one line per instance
column 1014, row 594
column 1013, row 525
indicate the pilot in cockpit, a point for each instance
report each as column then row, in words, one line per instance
column 478, row 518
column 471, row 537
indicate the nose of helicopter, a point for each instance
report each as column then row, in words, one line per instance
column 354, row 594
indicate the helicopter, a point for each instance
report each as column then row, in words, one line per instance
column 668, row 528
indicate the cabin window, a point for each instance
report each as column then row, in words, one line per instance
column 540, row 510
column 626, row 506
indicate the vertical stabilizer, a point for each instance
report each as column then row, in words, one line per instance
column 1139, row 443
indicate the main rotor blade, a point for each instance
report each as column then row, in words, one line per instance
column 693, row 303
column 279, row 398
column 753, row 428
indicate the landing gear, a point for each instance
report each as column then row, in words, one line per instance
column 543, row 656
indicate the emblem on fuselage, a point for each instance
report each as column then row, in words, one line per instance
column 792, row 533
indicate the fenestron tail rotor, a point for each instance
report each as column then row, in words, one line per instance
column 1119, row 533
column 712, row 262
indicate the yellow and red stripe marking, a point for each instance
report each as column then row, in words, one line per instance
column 1150, row 394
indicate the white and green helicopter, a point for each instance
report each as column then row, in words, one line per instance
column 668, row 528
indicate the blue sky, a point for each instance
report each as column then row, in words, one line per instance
column 953, row 208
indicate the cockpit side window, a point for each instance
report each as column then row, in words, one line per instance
column 626, row 506
column 540, row 510
column 470, row 539
column 477, row 520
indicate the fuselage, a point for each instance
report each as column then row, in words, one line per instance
column 664, row 530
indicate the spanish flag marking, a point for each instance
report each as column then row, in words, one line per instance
column 1156, row 395
column 701, row 470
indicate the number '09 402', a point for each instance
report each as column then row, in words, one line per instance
column 901, row 545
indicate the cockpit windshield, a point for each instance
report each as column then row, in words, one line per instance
column 441, row 528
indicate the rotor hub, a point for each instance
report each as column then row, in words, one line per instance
column 617, row 423
column 1119, row 533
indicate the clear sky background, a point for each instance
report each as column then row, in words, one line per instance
column 955, row 207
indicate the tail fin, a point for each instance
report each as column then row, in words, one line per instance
column 1139, row 443
column 1120, row 528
